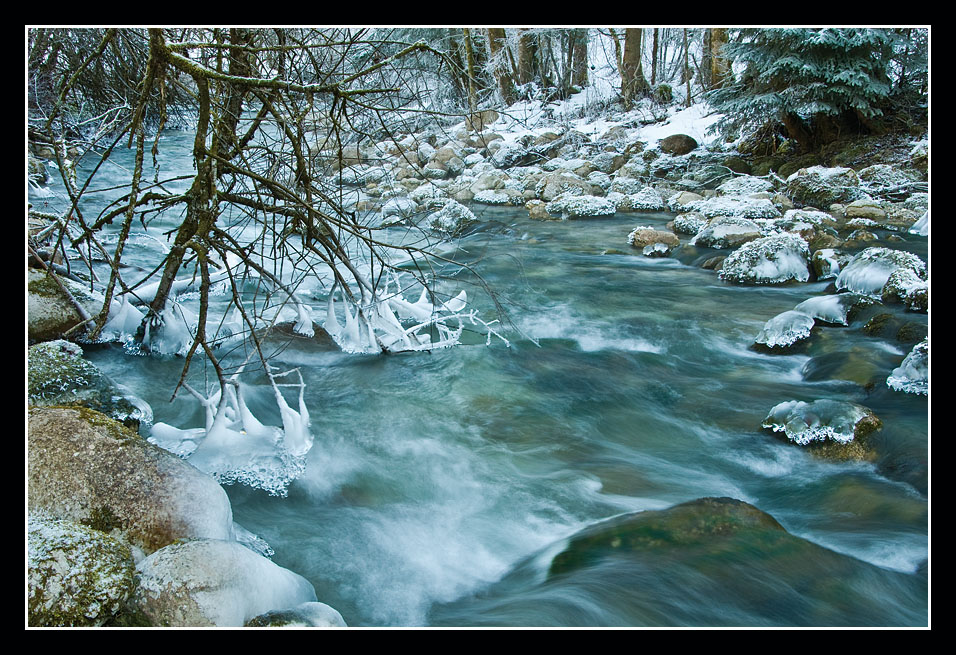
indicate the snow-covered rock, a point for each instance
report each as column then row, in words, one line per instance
column 726, row 232
column 912, row 376
column 827, row 262
column 452, row 219
column 744, row 185
column 690, row 223
column 568, row 205
column 736, row 206
column 209, row 582
column 819, row 186
column 784, row 330
column 769, row 260
column 906, row 286
column 398, row 210
column 492, row 197
column 643, row 236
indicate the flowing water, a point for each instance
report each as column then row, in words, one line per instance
column 441, row 484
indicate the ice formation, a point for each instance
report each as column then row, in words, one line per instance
column 869, row 270
column 786, row 329
column 912, row 376
column 819, row 420
column 769, row 260
column 235, row 447
column 833, row 308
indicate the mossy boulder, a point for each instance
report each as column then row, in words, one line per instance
column 706, row 523
column 88, row 468
column 50, row 314
column 819, row 186
column 76, row 576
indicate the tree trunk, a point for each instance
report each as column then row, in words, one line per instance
column 579, row 48
column 720, row 65
column 654, row 50
column 470, row 63
column 496, row 44
column 686, row 68
column 526, row 55
column 706, row 60
column 633, row 83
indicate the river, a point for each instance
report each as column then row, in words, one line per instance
column 441, row 485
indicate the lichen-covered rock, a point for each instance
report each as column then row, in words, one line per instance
column 85, row 467
column 568, row 206
column 726, row 232
column 869, row 271
column 57, row 374
column 769, row 260
column 208, row 582
column 76, row 576
column 783, row 331
column 306, row 615
column 912, row 376
column 452, row 219
column 819, row 186
column 828, row 425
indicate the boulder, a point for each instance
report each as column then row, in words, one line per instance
column 678, row 144
column 773, row 259
column 865, row 208
column 552, row 185
column 210, row 582
column 643, row 236
column 89, row 469
column 834, row 309
column 50, row 313
column 76, row 576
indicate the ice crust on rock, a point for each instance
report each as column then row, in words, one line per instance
column 784, row 330
column 912, row 376
column 869, row 270
column 819, row 420
column 769, row 260
column 833, row 308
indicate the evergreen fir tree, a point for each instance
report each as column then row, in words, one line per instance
column 819, row 83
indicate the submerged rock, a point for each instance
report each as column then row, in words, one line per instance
column 708, row 522
column 828, row 425
column 76, row 576
column 769, row 260
column 912, row 376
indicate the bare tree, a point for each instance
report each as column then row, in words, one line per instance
column 275, row 112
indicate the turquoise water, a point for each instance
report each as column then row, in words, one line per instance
column 441, row 485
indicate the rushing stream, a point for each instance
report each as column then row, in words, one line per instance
column 442, row 484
